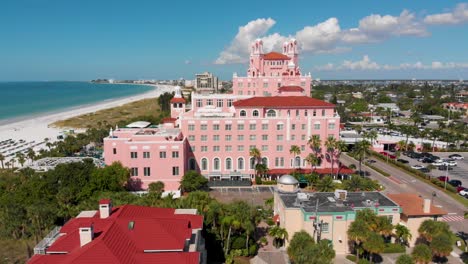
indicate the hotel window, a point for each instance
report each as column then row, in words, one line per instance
column 279, row 148
column 323, row 112
column 253, row 137
column 240, row 148
column 204, row 164
column 248, row 93
column 134, row 172
column 243, row 113
column 279, row 162
column 191, row 138
column 252, row 126
column 271, row 113
column 303, row 137
column 215, row 137
column 279, row 85
column 303, row 126
column 252, row 146
column 191, row 127
column 240, row 85
column 229, row 102
column 264, row 126
column 264, row 147
column 240, row 137
column 302, row 147
column 293, row 127
column 297, row 113
column 175, row 171
column 302, row 84
column 279, row 126
column 204, row 127
column 228, row 148
column 204, row 148
column 228, row 164
column 240, row 126
column 248, row 85
column 255, row 113
column 317, row 126
column 293, row 137
column 216, row 165
column 204, row 138
column 199, row 103
column 146, row 171
column 192, row 148
column 279, row 137
column 215, row 127
column 134, row 155
column 175, row 154
column 209, row 102
column 227, row 127
column 216, row 148
column 314, row 113
column 219, row 103
column 331, row 126
column 162, row 154
column 252, row 163
column 146, row 155
column 264, row 137
column 240, row 163
column 228, row 137
column 265, row 85
column 114, row 150
column 325, row 228
column 305, row 113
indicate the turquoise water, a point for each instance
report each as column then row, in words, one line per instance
column 22, row 99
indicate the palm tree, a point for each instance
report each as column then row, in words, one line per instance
column 371, row 135
column 232, row 223
column 354, row 184
column 358, row 233
column 401, row 145
column 340, row 147
column 326, row 184
column 330, row 145
column 295, row 151
column 422, row 254
column 12, row 163
column 374, row 244
column 21, row 158
column 315, row 144
column 430, row 228
column 2, row 158
column 313, row 161
column 441, row 245
column 31, row 154
column 256, row 155
column 279, row 235
column 362, row 150
column 7, row 164
column 402, row 234
column 404, row 259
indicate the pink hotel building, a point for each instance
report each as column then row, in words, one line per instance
column 270, row 109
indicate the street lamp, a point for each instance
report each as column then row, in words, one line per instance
column 446, row 175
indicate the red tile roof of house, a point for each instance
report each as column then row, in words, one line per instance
column 178, row 100
column 114, row 241
column 283, row 102
column 169, row 120
column 412, row 205
column 290, row 89
column 104, row 201
column 275, row 56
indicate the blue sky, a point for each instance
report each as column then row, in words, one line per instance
column 83, row 40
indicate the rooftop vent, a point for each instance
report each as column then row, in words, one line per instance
column 341, row 194
column 131, row 225
column 331, row 199
column 302, row 197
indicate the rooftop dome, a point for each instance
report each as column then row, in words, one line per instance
column 287, row 180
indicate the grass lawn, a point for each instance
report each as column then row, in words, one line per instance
column 145, row 107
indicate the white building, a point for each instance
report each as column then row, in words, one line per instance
column 206, row 83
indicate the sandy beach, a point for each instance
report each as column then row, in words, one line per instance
column 34, row 130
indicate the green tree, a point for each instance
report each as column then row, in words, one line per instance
column 31, row 154
column 155, row 190
column 421, row 254
column 295, row 151
column 354, row 184
column 330, row 145
column 257, row 156
column 192, row 181
column 279, row 235
column 361, row 150
column 430, row 228
column 313, row 161
column 326, row 184
column 110, row 178
column 374, row 244
column 2, row 159
column 404, row 259
column 441, row 244
column 316, row 145
column 299, row 249
column 402, row 234
column 21, row 158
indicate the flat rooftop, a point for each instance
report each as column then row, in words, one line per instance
column 327, row 202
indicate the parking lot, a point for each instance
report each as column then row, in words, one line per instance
column 255, row 195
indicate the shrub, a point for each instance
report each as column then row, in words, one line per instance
column 253, row 250
column 269, row 182
column 351, row 257
column 270, row 222
column 394, row 248
column 258, row 180
column 238, row 243
column 364, row 261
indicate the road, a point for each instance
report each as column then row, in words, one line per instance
column 401, row 182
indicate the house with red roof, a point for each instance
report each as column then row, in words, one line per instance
column 126, row 234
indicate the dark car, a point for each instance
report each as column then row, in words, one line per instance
column 370, row 161
column 426, row 154
column 426, row 160
column 455, row 183
column 444, row 178
column 442, row 168
column 425, row 170
column 402, row 161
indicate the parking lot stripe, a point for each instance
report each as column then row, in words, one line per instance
column 452, row 218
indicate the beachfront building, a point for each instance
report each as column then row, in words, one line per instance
column 126, row 234
column 206, row 82
column 216, row 133
column 326, row 215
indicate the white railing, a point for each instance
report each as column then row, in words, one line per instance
column 42, row 246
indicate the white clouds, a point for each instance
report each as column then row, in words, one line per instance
column 319, row 38
column 458, row 15
column 366, row 64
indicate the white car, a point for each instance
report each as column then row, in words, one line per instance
column 417, row 167
column 451, row 163
column 463, row 192
column 456, row 157
column 438, row 163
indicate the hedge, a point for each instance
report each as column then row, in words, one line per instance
column 394, row 248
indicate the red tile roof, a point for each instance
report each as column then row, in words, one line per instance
column 169, row 120
column 275, row 56
column 105, row 201
column 412, row 205
column 178, row 100
column 290, row 89
column 283, row 102
column 114, row 242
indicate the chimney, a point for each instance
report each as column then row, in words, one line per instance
column 86, row 234
column 427, row 206
column 105, row 208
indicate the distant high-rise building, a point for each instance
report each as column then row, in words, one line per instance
column 206, row 83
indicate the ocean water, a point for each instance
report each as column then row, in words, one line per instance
column 22, row 99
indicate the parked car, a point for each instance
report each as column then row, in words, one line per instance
column 460, row 188
column 391, row 156
column 417, row 167
column 451, row 163
column 455, row 183
column 444, row 168
column 402, row 161
column 425, row 170
column 456, row 157
column 438, row 163
column 444, row 178
column 371, row 161
column 383, row 153
column 463, row 192
column 426, row 160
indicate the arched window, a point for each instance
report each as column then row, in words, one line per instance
column 240, row 163
column 297, row 162
column 255, row 113
column 228, row 164
column 216, row 164
column 252, row 163
column 243, row 113
column 265, row 161
column 204, row 164
column 271, row 113
column 192, row 164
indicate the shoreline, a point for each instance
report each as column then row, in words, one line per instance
column 36, row 128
